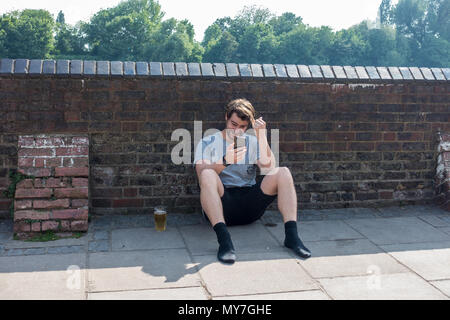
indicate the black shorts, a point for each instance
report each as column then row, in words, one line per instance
column 244, row 205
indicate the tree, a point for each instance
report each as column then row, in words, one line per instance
column 174, row 41
column 385, row 12
column 26, row 34
column 222, row 49
column 285, row 23
column 120, row 33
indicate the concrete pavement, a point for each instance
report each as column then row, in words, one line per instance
column 357, row 253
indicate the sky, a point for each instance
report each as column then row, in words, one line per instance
column 337, row 14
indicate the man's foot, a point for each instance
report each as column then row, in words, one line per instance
column 226, row 254
column 293, row 242
column 226, row 250
column 299, row 249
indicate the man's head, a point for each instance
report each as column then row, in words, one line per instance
column 239, row 114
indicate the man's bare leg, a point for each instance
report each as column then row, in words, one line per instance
column 280, row 182
column 211, row 190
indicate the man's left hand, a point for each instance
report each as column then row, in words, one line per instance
column 259, row 125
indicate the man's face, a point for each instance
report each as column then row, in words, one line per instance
column 235, row 125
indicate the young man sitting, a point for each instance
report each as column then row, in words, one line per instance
column 229, row 193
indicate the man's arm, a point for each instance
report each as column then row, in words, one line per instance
column 266, row 160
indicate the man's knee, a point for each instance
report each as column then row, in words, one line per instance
column 208, row 177
column 284, row 172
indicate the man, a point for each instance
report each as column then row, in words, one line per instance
column 229, row 193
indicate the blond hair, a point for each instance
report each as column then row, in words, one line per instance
column 243, row 109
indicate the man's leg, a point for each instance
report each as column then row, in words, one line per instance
column 280, row 182
column 211, row 190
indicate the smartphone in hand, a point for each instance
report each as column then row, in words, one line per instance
column 239, row 142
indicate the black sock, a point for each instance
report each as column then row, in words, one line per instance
column 223, row 237
column 292, row 239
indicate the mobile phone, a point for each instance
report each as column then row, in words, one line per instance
column 239, row 142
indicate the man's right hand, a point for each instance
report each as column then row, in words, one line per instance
column 234, row 155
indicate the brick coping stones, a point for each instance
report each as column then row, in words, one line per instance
column 231, row 71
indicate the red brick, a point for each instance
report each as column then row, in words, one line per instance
column 39, row 183
column 128, row 203
column 49, row 141
column 31, row 215
column 79, row 225
column 71, row 193
column 39, row 163
column 53, row 162
column 50, row 225
column 292, row 147
column 33, row 193
column 130, row 126
column 82, row 141
column 36, row 226
column 71, row 214
column 72, row 172
column 65, row 225
column 47, row 204
column 341, row 136
column 25, row 162
column 21, row 226
column 78, row 162
column 389, row 136
column 35, row 152
column 25, row 141
column 37, row 172
column 23, row 204
column 129, row 192
column 57, row 183
column 25, row 184
column 71, row 116
column 72, row 151
column 80, row 182
column 76, row 203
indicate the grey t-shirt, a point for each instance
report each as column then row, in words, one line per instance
column 241, row 174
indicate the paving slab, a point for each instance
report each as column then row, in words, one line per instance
column 5, row 236
column 435, row 221
column 134, row 270
column 298, row 295
column 443, row 285
column 397, row 230
column 12, row 244
column 39, row 277
column 408, row 211
column 430, row 260
column 192, row 293
column 445, row 230
column 202, row 240
column 318, row 231
column 348, row 258
column 146, row 238
column 254, row 273
column 399, row 286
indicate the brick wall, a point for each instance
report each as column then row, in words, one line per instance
column 55, row 194
column 352, row 136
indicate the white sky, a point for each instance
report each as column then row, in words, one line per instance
column 337, row 14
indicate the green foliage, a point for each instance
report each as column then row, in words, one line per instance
column 411, row 32
column 15, row 177
column 44, row 237
column 26, row 34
